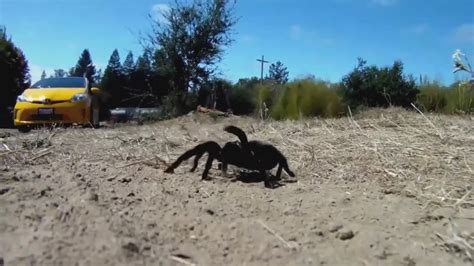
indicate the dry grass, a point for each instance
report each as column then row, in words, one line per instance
column 410, row 153
column 427, row 157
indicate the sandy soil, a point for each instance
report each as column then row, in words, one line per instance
column 383, row 188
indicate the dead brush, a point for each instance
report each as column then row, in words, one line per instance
column 426, row 157
column 412, row 154
column 42, row 139
column 457, row 242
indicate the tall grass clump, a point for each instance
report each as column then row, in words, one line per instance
column 243, row 100
column 307, row 98
column 432, row 97
column 460, row 99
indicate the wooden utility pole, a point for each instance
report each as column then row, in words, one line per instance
column 262, row 61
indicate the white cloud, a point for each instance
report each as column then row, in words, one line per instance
column 298, row 33
column 464, row 33
column 158, row 12
column 420, row 29
column 417, row 30
column 247, row 39
column 384, row 2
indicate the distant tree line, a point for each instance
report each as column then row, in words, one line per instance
column 177, row 71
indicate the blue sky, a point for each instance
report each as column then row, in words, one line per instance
column 322, row 38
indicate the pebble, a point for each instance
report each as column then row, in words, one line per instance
column 132, row 247
column 319, row 233
column 335, row 227
column 4, row 190
column 93, row 196
column 345, row 234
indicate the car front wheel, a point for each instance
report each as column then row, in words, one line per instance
column 94, row 115
column 24, row 129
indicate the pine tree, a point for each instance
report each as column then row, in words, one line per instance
column 114, row 63
column 84, row 65
column 278, row 73
column 112, row 81
column 129, row 65
column 143, row 62
column 14, row 77
column 141, row 82
column 43, row 75
column 59, row 73
column 98, row 77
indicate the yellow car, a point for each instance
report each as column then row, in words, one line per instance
column 62, row 101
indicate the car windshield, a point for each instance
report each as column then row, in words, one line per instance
column 73, row 82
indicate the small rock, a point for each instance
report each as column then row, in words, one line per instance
column 293, row 245
column 4, row 190
column 78, row 175
column 45, row 191
column 210, row 212
column 319, row 233
column 409, row 261
column 132, row 247
column 335, row 227
column 131, row 194
column 104, row 169
column 93, row 196
column 345, row 235
column 15, row 178
column 125, row 180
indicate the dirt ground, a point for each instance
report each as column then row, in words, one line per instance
column 385, row 187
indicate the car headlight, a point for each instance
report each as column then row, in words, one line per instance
column 21, row 98
column 80, row 97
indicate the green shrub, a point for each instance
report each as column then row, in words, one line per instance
column 432, row 98
column 307, row 98
column 242, row 100
column 375, row 86
column 267, row 95
column 249, row 95
column 457, row 99
column 460, row 99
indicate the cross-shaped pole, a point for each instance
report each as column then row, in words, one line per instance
column 262, row 61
